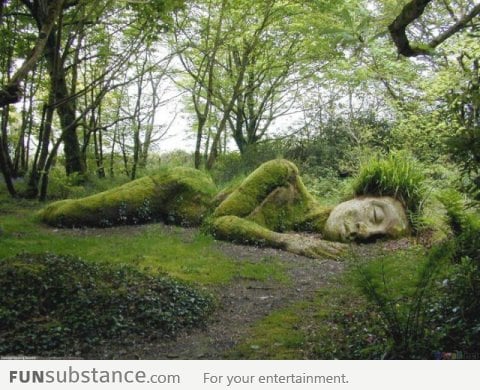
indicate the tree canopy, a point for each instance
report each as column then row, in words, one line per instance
column 91, row 85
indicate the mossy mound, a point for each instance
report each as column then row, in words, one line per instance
column 275, row 198
column 180, row 195
column 61, row 306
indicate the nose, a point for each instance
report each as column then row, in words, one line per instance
column 356, row 230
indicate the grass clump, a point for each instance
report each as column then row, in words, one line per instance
column 398, row 175
column 54, row 305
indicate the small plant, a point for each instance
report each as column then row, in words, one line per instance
column 122, row 213
column 439, row 311
column 144, row 212
column 398, row 175
column 459, row 303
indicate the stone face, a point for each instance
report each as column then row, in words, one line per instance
column 361, row 219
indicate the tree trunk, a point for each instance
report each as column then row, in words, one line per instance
column 11, row 93
column 42, row 150
column 65, row 105
column 6, row 171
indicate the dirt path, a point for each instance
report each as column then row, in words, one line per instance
column 241, row 304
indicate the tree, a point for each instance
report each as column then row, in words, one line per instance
column 242, row 60
column 414, row 10
column 82, row 46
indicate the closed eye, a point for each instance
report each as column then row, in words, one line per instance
column 378, row 215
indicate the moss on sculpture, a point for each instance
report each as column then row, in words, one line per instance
column 274, row 197
column 269, row 203
column 240, row 230
column 179, row 195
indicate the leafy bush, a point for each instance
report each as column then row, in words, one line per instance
column 326, row 185
column 58, row 305
column 397, row 175
column 438, row 311
column 61, row 186
column 77, row 186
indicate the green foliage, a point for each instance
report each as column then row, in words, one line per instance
column 404, row 307
column 459, row 304
column 233, row 164
column 327, row 187
column 77, row 186
column 458, row 87
column 438, row 310
column 175, row 158
column 59, row 305
column 325, row 151
column 398, row 175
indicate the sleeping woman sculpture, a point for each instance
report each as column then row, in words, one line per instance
column 271, row 207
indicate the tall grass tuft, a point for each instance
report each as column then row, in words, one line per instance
column 398, row 175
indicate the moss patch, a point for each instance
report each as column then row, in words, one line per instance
column 179, row 195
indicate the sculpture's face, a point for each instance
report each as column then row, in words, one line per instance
column 366, row 218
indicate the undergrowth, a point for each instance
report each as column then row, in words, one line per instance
column 54, row 305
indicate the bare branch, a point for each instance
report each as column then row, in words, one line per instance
column 398, row 28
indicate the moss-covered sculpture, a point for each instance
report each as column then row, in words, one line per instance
column 275, row 197
column 268, row 208
column 179, row 195
column 273, row 200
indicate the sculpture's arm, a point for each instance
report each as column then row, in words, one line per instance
column 240, row 230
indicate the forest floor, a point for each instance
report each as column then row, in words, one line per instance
column 243, row 303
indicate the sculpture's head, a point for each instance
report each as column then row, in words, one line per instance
column 363, row 219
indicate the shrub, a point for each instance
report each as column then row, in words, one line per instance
column 404, row 301
column 398, row 175
column 59, row 305
column 233, row 164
